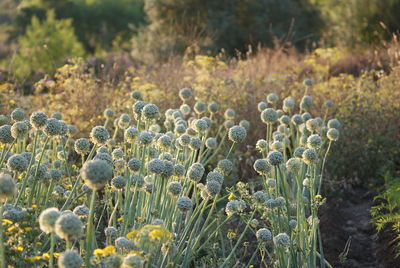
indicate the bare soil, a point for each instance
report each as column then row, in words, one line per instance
column 346, row 215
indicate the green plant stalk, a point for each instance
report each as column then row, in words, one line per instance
column 52, row 244
column 89, row 233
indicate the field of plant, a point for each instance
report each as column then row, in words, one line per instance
column 143, row 134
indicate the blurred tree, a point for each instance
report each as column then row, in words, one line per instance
column 229, row 24
column 45, row 46
column 97, row 22
column 354, row 22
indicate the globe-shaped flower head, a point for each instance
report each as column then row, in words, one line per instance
column 18, row 115
column 275, row 158
column 272, row 98
column 5, row 134
column 82, row 146
column 7, row 186
column 17, row 163
column 332, row 134
column 262, row 166
column 19, row 130
column 184, row 204
column 237, row 134
column 150, row 112
column 96, row 173
column 264, row 235
column 269, row 116
column 38, row 120
column 108, row 114
column 69, row 227
column 310, row 157
column 48, row 218
column 185, row 94
column 99, row 135
column 70, row 259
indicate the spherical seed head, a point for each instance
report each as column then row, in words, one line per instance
column 282, row 240
column 195, row 143
column 38, row 120
column 275, row 158
column 185, row 109
column 145, row 138
column 136, row 95
column 280, row 201
column 48, row 218
column 70, row 259
column 164, row 142
column 229, row 124
column 19, row 130
column 310, row 157
column 211, row 143
column 272, row 98
column 124, row 243
column 137, row 181
column 175, row 188
column 69, row 227
column 332, row 134
column 108, row 114
column 308, row 82
column 312, row 125
column 81, row 211
column 261, row 145
column 229, row 114
column 334, row 123
column 102, row 150
column 41, row 171
column 82, row 146
column 328, row 104
column 260, row 197
column 57, row 115
column 168, row 170
column 184, row 204
column 156, row 166
column 237, row 134
column 18, row 115
column 215, row 176
column 261, row 106
column 297, row 119
column 277, row 136
column 200, row 107
column 55, row 174
column 225, row 167
column 213, row 187
column 111, row 232
column 314, row 142
column 4, row 120
column 104, row 156
column 179, row 170
column 17, row 163
column 185, row 94
column 306, row 102
column 52, row 127
column 123, row 121
column 7, row 186
column 99, row 135
column 118, row 182
column 264, row 235
column 196, row 172
column 132, row 261
column 277, row 146
column 269, row 116
column 200, row 125
column 134, row 164
column 303, row 130
column 293, row 165
column 5, row 134
column 150, row 112
column 131, row 134
column 293, row 223
column 213, row 107
column 298, row 152
column 117, row 153
column 306, row 116
column 184, row 140
column 262, row 166
column 232, row 207
column 288, row 104
column 284, row 120
column 138, row 107
column 96, row 173
column 271, row 182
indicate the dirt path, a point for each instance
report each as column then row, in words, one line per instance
column 348, row 216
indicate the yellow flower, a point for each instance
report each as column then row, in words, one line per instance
column 12, row 101
column 34, row 206
column 8, row 222
column 56, row 254
column 131, row 235
column 46, row 256
column 10, row 228
column 160, row 235
column 231, row 235
column 20, row 249
column 231, row 196
column 10, row 266
column 28, row 229
column 120, row 219
column 109, row 250
column 318, row 196
column 98, row 252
